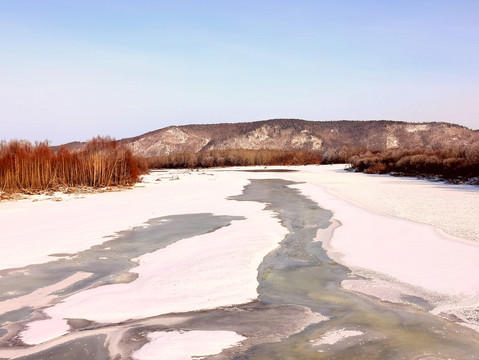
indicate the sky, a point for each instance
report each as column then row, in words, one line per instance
column 72, row 70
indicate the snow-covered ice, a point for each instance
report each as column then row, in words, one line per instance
column 420, row 233
column 175, row 345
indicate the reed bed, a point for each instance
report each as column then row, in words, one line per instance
column 26, row 167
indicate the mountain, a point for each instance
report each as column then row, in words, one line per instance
column 294, row 134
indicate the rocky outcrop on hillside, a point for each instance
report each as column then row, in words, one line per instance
column 293, row 134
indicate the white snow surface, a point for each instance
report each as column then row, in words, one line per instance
column 175, row 345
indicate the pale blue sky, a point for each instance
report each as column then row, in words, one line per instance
column 71, row 70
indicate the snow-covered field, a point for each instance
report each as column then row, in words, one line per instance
column 406, row 236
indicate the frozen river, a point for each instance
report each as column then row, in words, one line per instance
column 245, row 265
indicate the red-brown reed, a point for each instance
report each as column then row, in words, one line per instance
column 35, row 167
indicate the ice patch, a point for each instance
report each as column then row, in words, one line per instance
column 335, row 336
column 175, row 345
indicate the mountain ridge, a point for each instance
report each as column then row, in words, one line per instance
column 298, row 134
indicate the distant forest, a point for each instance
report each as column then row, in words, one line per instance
column 234, row 157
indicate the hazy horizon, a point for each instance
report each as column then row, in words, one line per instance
column 74, row 70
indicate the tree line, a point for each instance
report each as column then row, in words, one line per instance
column 234, row 157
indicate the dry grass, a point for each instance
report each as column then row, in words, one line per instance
column 32, row 168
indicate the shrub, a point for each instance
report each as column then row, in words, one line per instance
column 458, row 163
column 103, row 162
